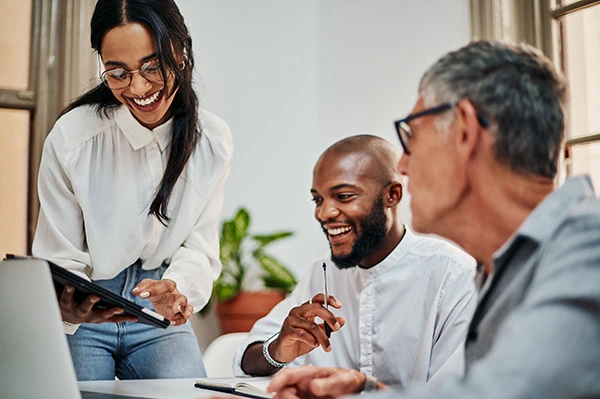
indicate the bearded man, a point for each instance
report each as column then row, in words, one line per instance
column 400, row 304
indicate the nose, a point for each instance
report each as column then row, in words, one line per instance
column 139, row 85
column 326, row 211
column 403, row 164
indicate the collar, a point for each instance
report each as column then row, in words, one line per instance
column 140, row 136
column 403, row 247
column 545, row 218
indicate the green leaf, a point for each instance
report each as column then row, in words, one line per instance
column 241, row 222
column 275, row 274
column 264, row 239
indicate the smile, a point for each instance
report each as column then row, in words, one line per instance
column 144, row 102
column 338, row 231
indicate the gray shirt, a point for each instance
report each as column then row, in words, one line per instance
column 536, row 329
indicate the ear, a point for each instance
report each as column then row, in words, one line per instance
column 394, row 194
column 470, row 130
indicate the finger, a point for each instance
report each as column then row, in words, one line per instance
column 333, row 301
column 120, row 318
column 153, row 287
column 66, row 297
column 339, row 382
column 287, row 393
column 85, row 308
column 291, row 376
column 178, row 319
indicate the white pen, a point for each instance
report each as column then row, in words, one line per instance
column 327, row 328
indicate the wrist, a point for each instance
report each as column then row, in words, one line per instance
column 267, row 354
column 370, row 383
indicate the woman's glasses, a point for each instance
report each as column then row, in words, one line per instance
column 120, row 78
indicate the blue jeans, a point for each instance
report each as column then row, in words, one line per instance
column 134, row 350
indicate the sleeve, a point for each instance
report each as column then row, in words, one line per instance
column 548, row 346
column 59, row 235
column 196, row 263
column 456, row 309
column 271, row 323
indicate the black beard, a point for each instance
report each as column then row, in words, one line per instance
column 373, row 228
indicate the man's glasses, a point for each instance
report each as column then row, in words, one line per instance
column 404, row 132
column 120, row 78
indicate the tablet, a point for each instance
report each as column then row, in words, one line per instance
column 108, row 299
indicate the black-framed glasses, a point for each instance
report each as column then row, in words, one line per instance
column 404, row 132
column 120, row 78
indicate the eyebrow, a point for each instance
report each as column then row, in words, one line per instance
column 336, row 187
column 122, row 64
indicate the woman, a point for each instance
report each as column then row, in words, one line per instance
column 131, row 189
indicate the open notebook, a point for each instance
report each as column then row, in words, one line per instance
column 255, row 387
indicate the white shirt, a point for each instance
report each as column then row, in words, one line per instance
column 98, row 177
column 405, row 317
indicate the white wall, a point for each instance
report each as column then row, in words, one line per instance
column 292, row 77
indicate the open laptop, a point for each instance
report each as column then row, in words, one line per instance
column 35, row 361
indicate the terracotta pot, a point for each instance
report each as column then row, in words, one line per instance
column 239, row 313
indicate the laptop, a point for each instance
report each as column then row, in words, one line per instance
column 35, row 361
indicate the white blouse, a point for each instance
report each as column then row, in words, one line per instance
column 97, row 179
column 406, row 317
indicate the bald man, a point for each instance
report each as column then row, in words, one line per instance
column 399, row 304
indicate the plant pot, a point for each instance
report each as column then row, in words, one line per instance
column 239, row 313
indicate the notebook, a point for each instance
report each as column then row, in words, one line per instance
column 35, row 361
column 255, row 387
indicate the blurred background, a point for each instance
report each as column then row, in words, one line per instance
column 290, row 78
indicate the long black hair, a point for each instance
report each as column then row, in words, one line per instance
column 172, row 36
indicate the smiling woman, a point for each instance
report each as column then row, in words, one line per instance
column 131, row 187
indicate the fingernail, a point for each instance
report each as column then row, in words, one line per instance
column 144, row 294
column 172, row 322
column 94, row 300
column 179, row 308
column 337, row 326
column 69, row 289
column 337, row 302
column 118, row 311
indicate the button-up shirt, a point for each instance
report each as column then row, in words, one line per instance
column 405, row 317
column 98, row 177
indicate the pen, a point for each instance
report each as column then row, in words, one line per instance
column 327, row 328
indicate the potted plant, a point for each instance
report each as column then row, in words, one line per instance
column 243, row 257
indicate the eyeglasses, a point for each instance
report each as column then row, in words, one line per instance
column 404, row 132
column 120, row 78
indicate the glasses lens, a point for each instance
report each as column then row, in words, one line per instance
column 151, row 71
column 116, row 78
column 404, row 134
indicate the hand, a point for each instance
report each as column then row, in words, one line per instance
column 315, row 382
column 83, row 312
column 300, row 333
column 166, row 299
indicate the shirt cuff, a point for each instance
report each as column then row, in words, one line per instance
column 70, row 328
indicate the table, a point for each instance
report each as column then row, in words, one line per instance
column 176, row 388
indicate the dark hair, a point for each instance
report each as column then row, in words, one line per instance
column 166, row 22
column 516, row 89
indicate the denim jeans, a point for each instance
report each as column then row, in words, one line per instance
column 134, row 350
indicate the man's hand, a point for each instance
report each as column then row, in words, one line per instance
column 166, row 299
column 316, row 382
column 301, row 334
column 83, row 312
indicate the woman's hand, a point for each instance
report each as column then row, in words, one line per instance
column 77, row 313
column 166, row 298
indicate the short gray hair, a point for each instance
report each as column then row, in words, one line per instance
column 516, row 89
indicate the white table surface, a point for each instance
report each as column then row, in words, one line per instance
column 177, row 388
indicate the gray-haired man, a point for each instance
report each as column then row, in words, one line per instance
column 481, row 148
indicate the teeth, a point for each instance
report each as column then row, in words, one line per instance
column 338, row 231
column 147, row 100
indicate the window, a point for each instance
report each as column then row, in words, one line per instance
column 578, row 55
